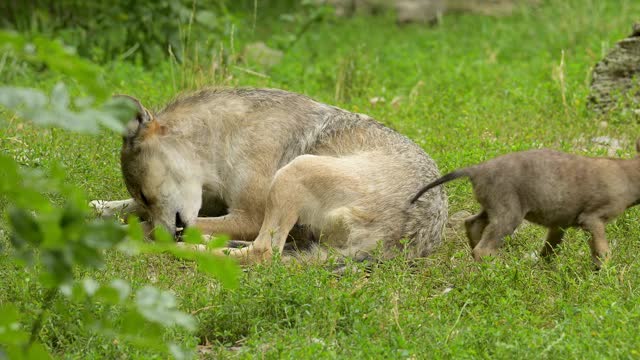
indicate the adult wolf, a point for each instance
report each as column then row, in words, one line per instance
column 266, row 160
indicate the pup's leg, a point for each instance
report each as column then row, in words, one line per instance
column 236, row 225
column 598, row 243
column 474, row 226
column 554, row 238
column 501, row 223
column 122, row 207
column 313, row 186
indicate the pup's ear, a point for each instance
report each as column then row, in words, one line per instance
column 143, row 124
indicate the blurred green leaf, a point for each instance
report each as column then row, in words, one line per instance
column 60, row 97
column 224, row 269
column 121, row 287
column 25, row 228
column 218, row 241
column 90, row 286
column 16, row 98
column 160, row 307
column 37, row 351
column 134, row 229
column 192, row 235
column 161, row 235
column 103, row 234
column 11, row 331
column 206, row 18
column 180, row 353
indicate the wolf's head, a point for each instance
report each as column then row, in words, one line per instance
column 160, row 171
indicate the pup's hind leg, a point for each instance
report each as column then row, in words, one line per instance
column 598, row 243
column 554, row 238
column 500, row 224
column 474, row 226
column 310, row 184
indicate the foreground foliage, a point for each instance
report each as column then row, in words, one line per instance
column 50, row 242
column 469, row 90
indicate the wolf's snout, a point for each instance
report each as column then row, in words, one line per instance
column 180, row 224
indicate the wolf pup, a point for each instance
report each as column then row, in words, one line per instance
column 550, row 188
column 267, row 160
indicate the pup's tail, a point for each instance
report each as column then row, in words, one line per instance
column 450, row 176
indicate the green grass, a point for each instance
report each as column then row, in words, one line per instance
column 469, row 90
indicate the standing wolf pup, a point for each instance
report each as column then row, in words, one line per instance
column 268, row 160
column 550, row 188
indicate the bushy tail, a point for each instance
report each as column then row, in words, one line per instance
column 450, row 176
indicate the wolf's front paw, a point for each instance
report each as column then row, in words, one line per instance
column 99, row 206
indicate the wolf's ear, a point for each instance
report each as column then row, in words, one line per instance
column 142, row 124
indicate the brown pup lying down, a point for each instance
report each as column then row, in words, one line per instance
column 550, row 188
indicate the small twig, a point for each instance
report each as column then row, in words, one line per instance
column 255, row 16
column 563, row 87
column 457, row 321
column 248, row 71
column 548, row 348
column 203, row 309
column 130, row 51
column 396, row 314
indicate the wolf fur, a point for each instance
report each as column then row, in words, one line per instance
column 267, row 161
column 550, row 188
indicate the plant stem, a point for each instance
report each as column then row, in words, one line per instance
column 37, row 325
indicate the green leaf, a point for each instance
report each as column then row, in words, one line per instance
column 120, row 110
column 224, row 269
column 114, row 293
column 122, row 287
column 90, row 286
column 161, row 235
column 71, row 216
column 81, row 254
column 218, row 241
column 37, row 351
column 11, row 331
column 134, row 229
column 103, row 234
column 180, row 353
column 192, row 235
column 25, row 228
column 16, row 98
column 59, row 97
column 160, row 307
column 206, row 18
column 134, row 323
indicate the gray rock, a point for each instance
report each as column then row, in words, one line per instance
column 611, row 145
column 617, row 74
column 424, row 11
column 260, row 54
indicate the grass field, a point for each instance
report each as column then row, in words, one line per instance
column 466, row 91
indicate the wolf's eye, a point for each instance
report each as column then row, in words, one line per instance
column 144, row 199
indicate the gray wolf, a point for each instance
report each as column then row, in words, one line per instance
column 261, row 162
column 550, row 188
